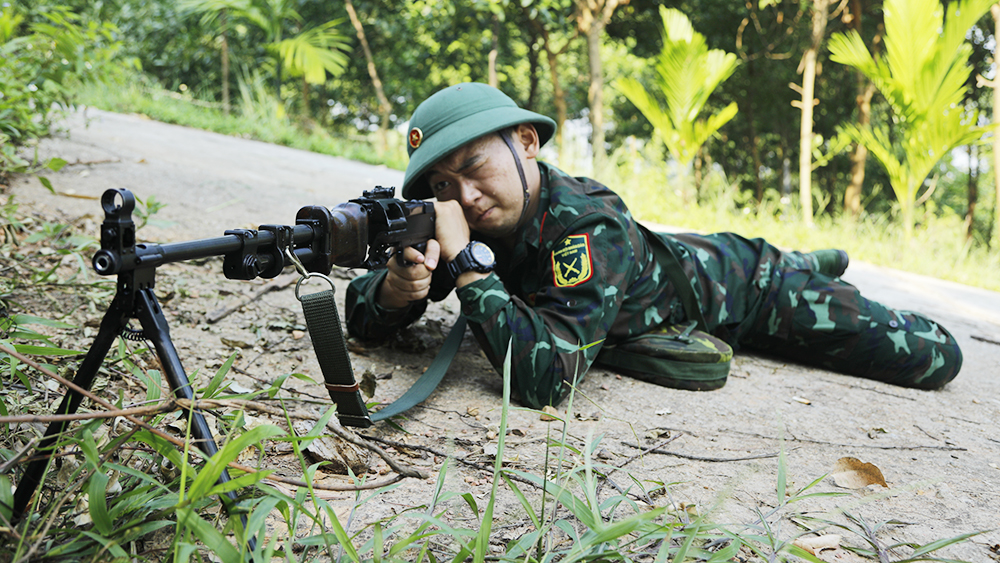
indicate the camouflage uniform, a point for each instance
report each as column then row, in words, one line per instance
column 584, row 274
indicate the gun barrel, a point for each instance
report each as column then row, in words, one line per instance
column 152, row 255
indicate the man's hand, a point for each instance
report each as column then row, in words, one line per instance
column 404, row 284
column 452, row 229
column 453, row 235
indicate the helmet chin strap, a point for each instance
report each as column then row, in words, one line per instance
column 520, row 172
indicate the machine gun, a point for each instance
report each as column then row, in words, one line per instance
column 359, row 233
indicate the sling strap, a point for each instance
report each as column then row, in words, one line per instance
column 667, row 257
column 323, row 322
column 431, row 378
column 320, row 310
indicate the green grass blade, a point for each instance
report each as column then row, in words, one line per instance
column 98, row 503
column 209, row 474
column 212, row 538
column 486, row 524
column 939, row 544
column 217, row 380
column 523, row 500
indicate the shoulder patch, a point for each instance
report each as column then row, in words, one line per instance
column 571, row 263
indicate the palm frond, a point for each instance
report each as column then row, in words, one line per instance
column 315, row 52
column 687, row 72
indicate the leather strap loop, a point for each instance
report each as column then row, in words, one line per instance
column 333, row 388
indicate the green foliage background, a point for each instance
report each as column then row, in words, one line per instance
column 423, row 45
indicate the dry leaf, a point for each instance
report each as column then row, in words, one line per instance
column 852, row 473
column 815, row 545
column 368, row 384
column 472, row 411
column 550, row 413
column 340, row 453
column 234, row 343
column 874, row 432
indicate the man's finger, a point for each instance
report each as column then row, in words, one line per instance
column 432, row 254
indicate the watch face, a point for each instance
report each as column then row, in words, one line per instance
column 482, row 254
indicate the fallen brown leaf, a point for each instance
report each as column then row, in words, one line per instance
column 816, row 544
column 852, row 473
column 368, row 384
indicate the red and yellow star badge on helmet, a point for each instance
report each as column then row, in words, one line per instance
column 416, row 135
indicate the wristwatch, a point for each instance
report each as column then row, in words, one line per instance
column 477, row 257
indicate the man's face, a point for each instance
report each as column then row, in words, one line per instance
column 482, row 176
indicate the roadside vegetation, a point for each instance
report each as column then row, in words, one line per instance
column 123, row 490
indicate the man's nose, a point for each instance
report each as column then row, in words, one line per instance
column 468, row 193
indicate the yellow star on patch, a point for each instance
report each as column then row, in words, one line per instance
column 571, row 264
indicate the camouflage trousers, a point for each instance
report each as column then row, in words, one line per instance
column 758, row 297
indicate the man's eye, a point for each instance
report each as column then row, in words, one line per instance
column 440, row 187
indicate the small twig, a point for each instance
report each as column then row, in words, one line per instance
column 873, row 390
column 279, row 282
column 464, row 461
column 607, row 475
column 839, row 445
column 929, row 435
column 49, row 418
column 700, row 458
column 79, row 162
column 17, row 457
column 985, row 339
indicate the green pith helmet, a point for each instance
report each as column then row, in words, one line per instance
column 454, row 116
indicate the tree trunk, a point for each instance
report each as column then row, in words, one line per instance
column 385, row 108
column 225, row 62
column 698, row 173
column 558, row 98
column 859, row 156
column 995, row 10
column 819, row 16
column 754, row 148
column 595, row 97
column 305, row 100
column 970, row 216
column 532, row 72
column 494, row 51
column 592, row 17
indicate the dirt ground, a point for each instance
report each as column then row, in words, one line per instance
column 938, row 451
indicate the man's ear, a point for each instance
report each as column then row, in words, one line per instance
column 527, row 137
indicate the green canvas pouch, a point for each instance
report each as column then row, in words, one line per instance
column 677, row 356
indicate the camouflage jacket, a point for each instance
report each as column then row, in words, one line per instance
column 582, row 275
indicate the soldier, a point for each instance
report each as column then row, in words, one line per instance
column 558, row 266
